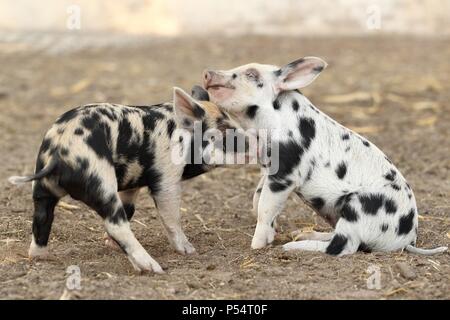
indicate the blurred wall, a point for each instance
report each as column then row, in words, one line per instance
column 179, row 17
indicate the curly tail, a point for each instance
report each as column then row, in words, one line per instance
column 18, row 180
column 425, row 252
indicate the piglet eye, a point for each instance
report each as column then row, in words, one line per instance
column 234, row 76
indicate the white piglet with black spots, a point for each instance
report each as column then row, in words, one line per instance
column 346, row 179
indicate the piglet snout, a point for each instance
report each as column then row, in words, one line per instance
column 207, row 78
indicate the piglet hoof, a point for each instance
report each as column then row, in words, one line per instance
column 111, row 243
column 185, row 248
column 38, row 253
column 293, row 245
column 263, row 236
column 143, row 263
column 276, row 226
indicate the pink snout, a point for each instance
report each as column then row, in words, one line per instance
column 207, row 78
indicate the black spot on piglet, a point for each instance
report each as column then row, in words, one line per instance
column 364, row 248
column 278, row 186
column 317, row 203
column 307, row 130
column 371, row 203
column 341, row 170
column 64, row 151
column 46, row 143
column 405, row 224
column 99, row 141
column 276, row 104
column 66, row 117
column 79, row 131
column 336, row 245
column 390, row 175
column 348, row 213
column 390, row 206
column 345, row 198
column 170, row 128
column 251, row 111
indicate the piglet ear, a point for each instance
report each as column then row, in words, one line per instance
column 187, row 109
column 299, row 73
column 199, row 93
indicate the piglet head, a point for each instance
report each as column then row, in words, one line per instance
column 257, row 84
column 216, row 131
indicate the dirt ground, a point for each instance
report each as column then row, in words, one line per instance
column 395, row 91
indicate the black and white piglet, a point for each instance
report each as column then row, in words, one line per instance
column 102, row 154
column 346, row 179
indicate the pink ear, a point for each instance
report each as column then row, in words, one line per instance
column 299, row 73
column 186, row 107
column 182, row 102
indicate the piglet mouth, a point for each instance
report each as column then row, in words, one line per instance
column 219, row 86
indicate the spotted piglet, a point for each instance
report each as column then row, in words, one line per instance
column 102, row 154
column 345, row 178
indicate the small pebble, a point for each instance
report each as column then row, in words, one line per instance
column 405, row 270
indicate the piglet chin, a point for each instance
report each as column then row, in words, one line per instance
column 219, row 94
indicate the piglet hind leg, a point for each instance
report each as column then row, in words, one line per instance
column 118, row 228
column 128, row 198
column 307, row 245
column 109, row 206
column 44, row 206
column 168, row 203
column 121, row 233
column 341, row 242
column 312, row 235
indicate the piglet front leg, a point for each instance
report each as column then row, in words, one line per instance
column 271, row 203
column 257, row 195
column 168, row 204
